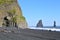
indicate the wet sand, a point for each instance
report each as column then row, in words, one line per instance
column 29, row 34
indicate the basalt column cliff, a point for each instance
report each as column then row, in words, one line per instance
column 11, row 14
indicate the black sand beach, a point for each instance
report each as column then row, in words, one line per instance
column 29, row 34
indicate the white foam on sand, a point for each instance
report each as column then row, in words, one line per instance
column 49, row 29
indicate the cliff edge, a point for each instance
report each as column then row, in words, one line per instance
column 11, row 14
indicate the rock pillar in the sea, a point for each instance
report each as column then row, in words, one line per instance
column 39, row 24
column 54, row 23
column 11, row 14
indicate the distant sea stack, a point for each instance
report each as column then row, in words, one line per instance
column 39, row 24
column 11, row 14
column 54, row 23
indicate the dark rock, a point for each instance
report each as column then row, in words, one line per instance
column 39, row 24
column 54, row 23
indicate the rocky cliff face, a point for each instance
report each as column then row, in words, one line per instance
column 11, row 14
column 39, row 24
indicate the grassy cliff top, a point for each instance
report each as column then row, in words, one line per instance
column 6, row 1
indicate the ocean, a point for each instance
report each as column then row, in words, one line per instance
column 48, row 28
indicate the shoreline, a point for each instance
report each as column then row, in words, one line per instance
column 29, row 34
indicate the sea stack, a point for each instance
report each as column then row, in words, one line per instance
column 54, row 23
column 39, row 24
column 11, row 14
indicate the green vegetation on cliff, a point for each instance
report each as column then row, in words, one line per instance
column 22, row 18
column 9, row 9
column 12, row 13
column 6, row 1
